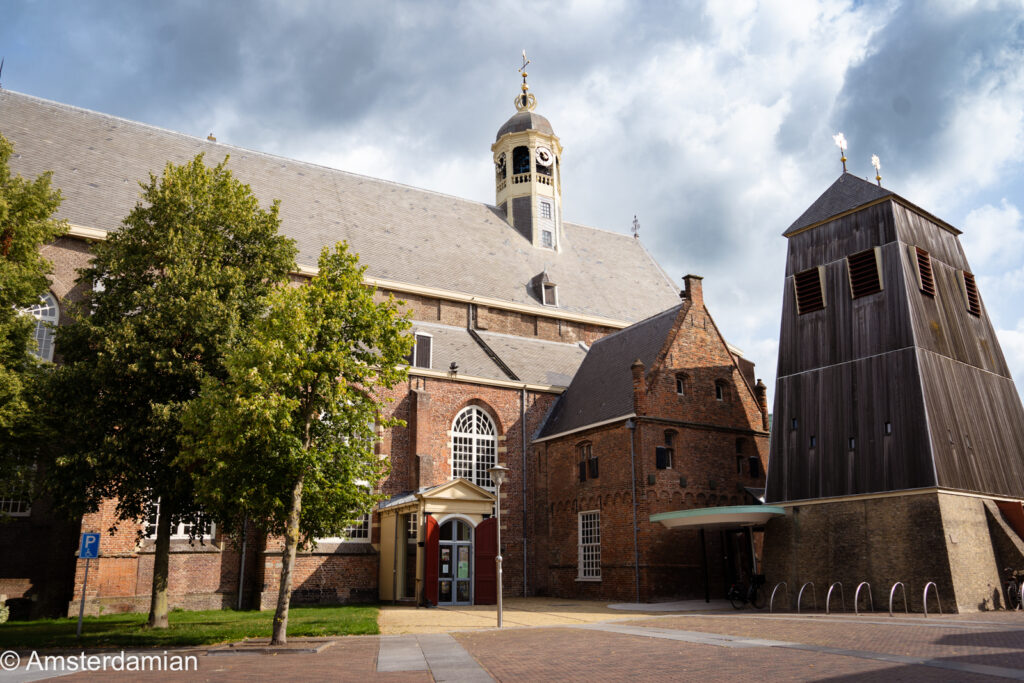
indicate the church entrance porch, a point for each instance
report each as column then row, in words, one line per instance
column 438, row 546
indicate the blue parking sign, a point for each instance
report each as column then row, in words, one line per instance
column 90, row 548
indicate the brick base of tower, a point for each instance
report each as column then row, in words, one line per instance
column 959, row 542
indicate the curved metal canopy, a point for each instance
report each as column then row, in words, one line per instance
column 732, row 516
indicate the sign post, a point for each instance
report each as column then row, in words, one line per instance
column 90, row 550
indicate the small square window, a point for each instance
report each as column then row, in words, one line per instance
column 814, row 441
column 794, row 424
column 545, row 209
column 888, row 428
column 681, row 385
column 547, row 239
column 853, row 443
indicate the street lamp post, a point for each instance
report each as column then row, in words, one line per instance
column 498, row 474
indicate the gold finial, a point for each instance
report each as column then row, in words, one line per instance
column 840, row 141
column 526, row 101
column 878, row 168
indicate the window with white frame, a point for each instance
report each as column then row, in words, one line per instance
column 357, row 532
column 15, row 507
column 179, row 530
column 421, row 354
column 46, row 313
column 547, row 239
column 545, row 209
column 413, row 526
column 590, row 545
column 474, row 446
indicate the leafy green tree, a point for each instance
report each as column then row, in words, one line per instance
column 189, row 269
column 26, row 224
column 288, row 439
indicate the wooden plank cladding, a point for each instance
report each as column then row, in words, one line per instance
column 894, row 380
column 813, row 459
column 847, row 328
column 977, row 427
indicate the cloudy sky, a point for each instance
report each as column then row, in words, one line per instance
column 711, row 122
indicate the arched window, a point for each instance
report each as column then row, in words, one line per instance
column 681, row 382
column 474, row 446
column 46, row 313
column 721, row 391
column 521, row 160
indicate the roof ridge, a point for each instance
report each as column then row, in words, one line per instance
column 673, row 310
column 269, row 155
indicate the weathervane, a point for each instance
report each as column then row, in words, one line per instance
column 878, row 168
column 636, row 228
column 840, row 141
column 526, row 101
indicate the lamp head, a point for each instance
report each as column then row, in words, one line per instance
column 498, row 474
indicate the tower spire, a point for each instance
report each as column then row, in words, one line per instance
column 525, row 101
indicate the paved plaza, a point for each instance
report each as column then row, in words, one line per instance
column 548, row 640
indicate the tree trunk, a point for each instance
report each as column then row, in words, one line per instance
column 291, row 542
column 158, row 596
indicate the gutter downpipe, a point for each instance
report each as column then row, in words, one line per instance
column 631, row 426
column 241, row 566
column 522, row 421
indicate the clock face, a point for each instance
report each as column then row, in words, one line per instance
column 544, row 156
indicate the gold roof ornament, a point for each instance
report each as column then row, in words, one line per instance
column 525, row 101
column 878, row 168
column 840, row 141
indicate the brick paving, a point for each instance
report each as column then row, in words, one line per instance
column 595, row 645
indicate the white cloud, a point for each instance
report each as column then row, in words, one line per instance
column 993, row 236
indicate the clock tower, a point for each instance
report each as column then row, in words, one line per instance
column 527, row 180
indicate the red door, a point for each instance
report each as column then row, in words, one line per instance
column 431, row 548
column 486, row 574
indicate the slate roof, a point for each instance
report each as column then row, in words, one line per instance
column 401, row 233
column 534, row 361
column 602, row 388
column 847, row 193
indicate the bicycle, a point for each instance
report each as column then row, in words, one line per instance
column 1014, row 586
column 739, row 594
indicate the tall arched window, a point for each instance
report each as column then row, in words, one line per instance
column 474, row 446
column 46, row 313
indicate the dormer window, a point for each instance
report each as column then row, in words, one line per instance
column 420, row 357
column 550, row 294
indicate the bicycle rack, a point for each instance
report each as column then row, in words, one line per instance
column 800, row 596
column 931, row 584
column 856, row 598
column 771, row 603
column 828, row 598
column 892, row 593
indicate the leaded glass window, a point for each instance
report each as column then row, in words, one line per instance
column 474, row 446
column 46, row 314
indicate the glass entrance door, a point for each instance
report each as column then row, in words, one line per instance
column 455, row 564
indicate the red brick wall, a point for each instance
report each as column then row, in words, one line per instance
column 703, row 474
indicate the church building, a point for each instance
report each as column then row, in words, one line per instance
column 561, row 351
